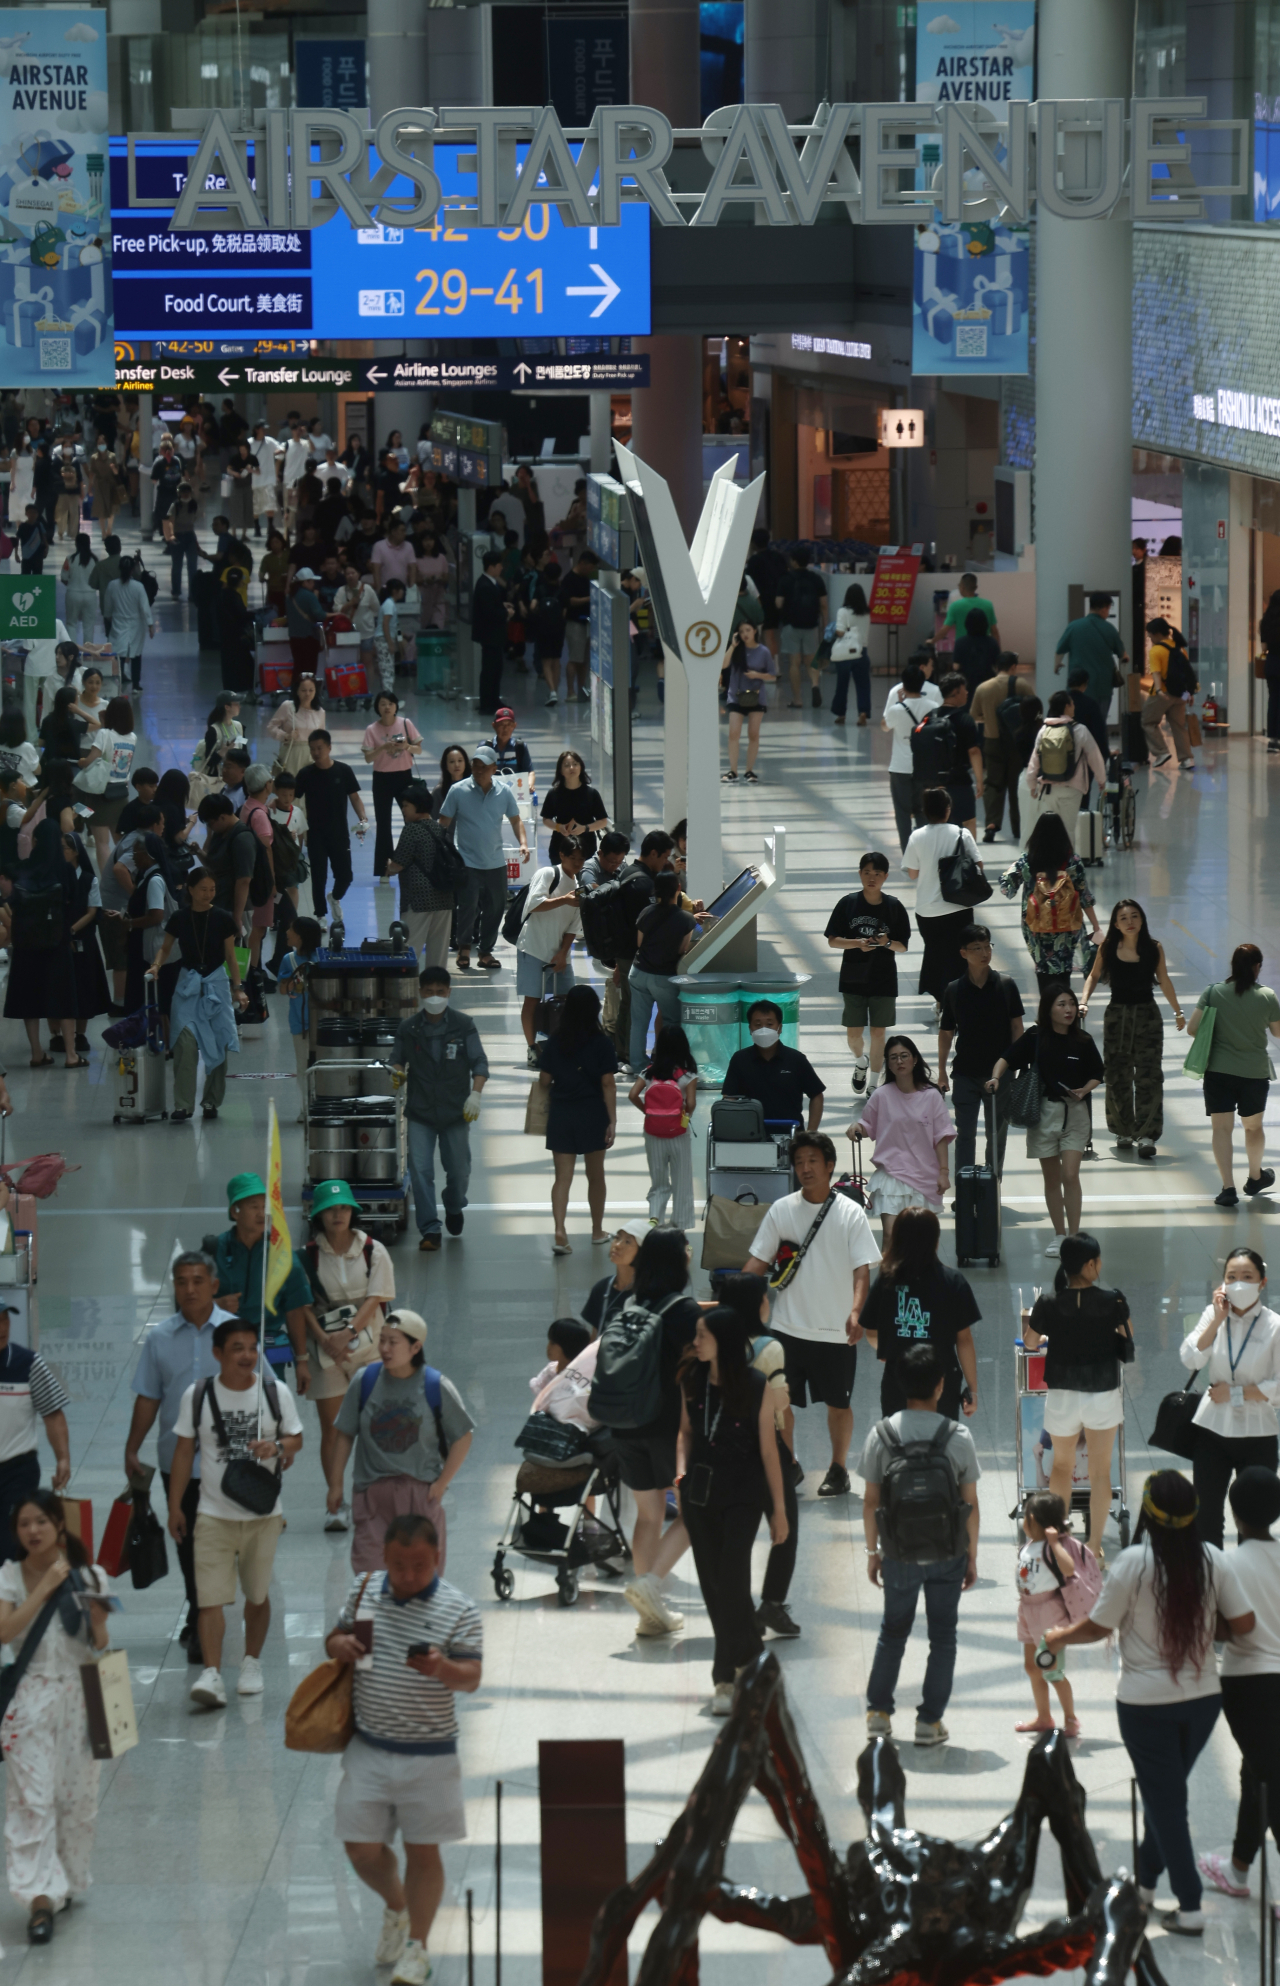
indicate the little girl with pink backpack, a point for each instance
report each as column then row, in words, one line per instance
column 665, row 1094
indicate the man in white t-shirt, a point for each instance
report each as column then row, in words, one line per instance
column 907, row 704
column 815, row 1315
column 297, row 460
column 233, row 1407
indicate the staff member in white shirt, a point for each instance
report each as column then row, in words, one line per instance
column 908, row 704
column 815, row 1314
column 551, row 923
column 1235, row 1427
column 29, row 1394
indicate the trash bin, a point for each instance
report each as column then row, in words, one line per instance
column 711, row 1016
column 437, row 661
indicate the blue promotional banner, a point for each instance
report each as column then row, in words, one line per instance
column 971, row 286
column 55, row 227
column 446, row 280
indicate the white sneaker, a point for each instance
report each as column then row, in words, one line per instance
column 393, row 1936
column 209, row 1689
column 722, row 1701
column 413, row 1967
column 656, row 1617
column 860, row 1067
column 1053, row 1253
column 339, row 1519
column 250, row 1683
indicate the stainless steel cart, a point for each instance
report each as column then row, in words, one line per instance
column 1029, row 1385
column 356, row 1131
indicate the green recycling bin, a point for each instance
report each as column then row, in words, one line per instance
column 437, row 661
column 711, row 1016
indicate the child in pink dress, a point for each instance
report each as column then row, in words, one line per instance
column 1058, row 1580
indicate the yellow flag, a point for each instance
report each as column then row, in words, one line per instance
column 279, row 1241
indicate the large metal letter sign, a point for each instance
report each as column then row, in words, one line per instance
column 693, row 591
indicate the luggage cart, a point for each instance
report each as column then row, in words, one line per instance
column 763, row 1168
column 1029, row 1385
column 345, row 1133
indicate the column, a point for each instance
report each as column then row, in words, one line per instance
column 786, row 55
column 602, row 463
column 1084, row 421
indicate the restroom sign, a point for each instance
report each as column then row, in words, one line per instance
column 28, row 607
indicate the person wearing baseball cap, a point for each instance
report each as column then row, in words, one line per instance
column 479, row 805
column 239, row 1260
column 304, row 614
column 607, row 1297
column 510, row 748
column 29, row 1394
column 351, row 1278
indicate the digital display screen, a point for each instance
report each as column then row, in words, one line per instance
column 445, row 280
column 728, row 899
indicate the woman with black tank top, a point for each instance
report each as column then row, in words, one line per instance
column 729, row 1475
column 1131, row 962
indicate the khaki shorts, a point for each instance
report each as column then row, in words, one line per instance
column 1063, row 1127
column 381, row 1791
column 219, row 1542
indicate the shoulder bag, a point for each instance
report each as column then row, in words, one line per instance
column 786, row 1264
column 960, row 879
column 1026, row 1093
column 1174, row 1416
column 12, row 1676
column 251, row 1484
column 1197, row 1058
column 321, row 1714
column 537, row 1111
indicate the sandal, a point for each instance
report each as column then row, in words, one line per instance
column 725, row 777
column 1071, row 1727
column 1035, row 1724
column 463, row 961
column 76, row 1062
column 561, row 1248
column 40, row 1926
column 45, row 1062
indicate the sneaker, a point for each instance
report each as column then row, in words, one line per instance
column 1184, row 1923
column 250, row 1682
column 1188, row 765
column 817, row 699
column 1163, row 759
column 1146, row 1148
column 722, row 1701
column 393, row 1936
column 335, row 908
column 453, row 1222
column 835, row 1482
column 1259, row 1185
column 772, row 1615
column 1223, row 1874
column 931, row 1734
column 726, row 777
column 209, row 1689
column 552, row 701
column 1124, row 1144
column 1053, row 1253
column 1227, row 1198
column 413, row 1968
column 862, row 1064
column 752, row 777
column 429, row 1243
column 879, row 1724
column 339, row 1519
column 656, row 1617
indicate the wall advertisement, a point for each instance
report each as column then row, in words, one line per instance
column 971, row 287
column 55, row 223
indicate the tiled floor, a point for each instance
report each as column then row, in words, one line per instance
column 215, row 1860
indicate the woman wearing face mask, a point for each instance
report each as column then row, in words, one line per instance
column 1238, row 1339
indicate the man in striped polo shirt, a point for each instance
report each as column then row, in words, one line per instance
column 414, row 1640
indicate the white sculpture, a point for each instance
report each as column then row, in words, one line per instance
column 694, row 591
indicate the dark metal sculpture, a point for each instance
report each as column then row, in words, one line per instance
column 903, row 1908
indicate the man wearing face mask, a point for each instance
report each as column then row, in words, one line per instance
column 439, row 1053
column 779, row 1078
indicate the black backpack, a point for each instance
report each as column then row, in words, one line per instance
column 1179, row 676
column 448, row 867
column 513, row 922
column 933, row 748
column 609, row 913
column 1009, row 718
column 627, row 1389
column 262, row 885
column 922, row 1515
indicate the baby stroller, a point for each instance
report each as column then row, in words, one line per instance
column 544, row 1487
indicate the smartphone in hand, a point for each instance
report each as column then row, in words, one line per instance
column 418, row 1648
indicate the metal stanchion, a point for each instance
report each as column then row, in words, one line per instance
column 1263, row 1906
column 471, row 1942
column 1133, row 1823
column 497, row 1885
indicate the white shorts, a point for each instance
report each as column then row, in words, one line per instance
column 887, row 1195
column 1066, row 1411
column 421, row 1794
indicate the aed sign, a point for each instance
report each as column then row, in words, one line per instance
column 28, row 607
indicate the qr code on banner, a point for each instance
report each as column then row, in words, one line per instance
column 55, row 355
column 971, row 341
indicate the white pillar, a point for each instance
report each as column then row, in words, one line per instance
column 1084, row 337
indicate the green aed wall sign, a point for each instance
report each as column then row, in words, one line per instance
column 28, row 607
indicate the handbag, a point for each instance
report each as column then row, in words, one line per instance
column 144, row 1545
column 545, row 1439
column 321, row 1713
column 1194, row 733
column 1174, row 1416
column 108, row 1702
column 95, row 778
column 729, row 1230
column 960, row 879
column 537, row 1111
column 1197, row 1057
column 1027, row 1098
column 251, row 1484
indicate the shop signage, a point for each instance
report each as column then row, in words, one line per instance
column 1256, row 413
column 893, row 588
column 784, row 175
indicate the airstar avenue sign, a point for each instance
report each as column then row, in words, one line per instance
column 851, row 155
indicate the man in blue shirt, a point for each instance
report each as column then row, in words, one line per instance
column 479, row 805
column 176, row 1354
column 513, row 753
column 238, row 1263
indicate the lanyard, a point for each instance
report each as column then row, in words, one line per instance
column 1233, row 1362
column 709, row 1432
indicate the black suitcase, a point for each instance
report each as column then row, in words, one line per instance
column 978, row 1205
column 738, row 1120
column 1135, row 739
column 204, row 592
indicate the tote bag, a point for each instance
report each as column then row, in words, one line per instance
column 960, row 880
column 1197, row 1062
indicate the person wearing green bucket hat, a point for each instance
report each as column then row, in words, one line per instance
column 352, row 1283
column 239, row 1258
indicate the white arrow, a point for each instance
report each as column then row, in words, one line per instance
column 523, row 371
column 374, row 375
column 607, row 290
column 226, row 377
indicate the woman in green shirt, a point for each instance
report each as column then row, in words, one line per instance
column 1239, row 1069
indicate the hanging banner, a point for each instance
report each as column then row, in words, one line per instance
column 55, row 222
column 971, row 288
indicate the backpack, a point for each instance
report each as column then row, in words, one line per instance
column 513, row 922
column 448, row 867
column 37, row 920
column 1053, row 906
column 664, row 1111
column 609, row 913
column 262, row 885
column 922, row 1515
column 1057, row 750
column 1179, row 676
column 371, row 1374
column 933, row 748
column 1009, row 718
column 147, row 580
column 627, row 1389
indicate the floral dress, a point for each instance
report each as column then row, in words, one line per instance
column 1052, row 953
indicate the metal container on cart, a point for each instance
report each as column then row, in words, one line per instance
column 361, row 985
column 337, row 1055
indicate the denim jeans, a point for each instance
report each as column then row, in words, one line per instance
column 1163, row 1741
column 455, row 1155
column 859, row 667
column 969, row 1098
column 942, row 1582
column 646, row 987
column 183, row 550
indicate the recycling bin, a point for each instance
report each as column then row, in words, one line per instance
column 711, row 1016
column 437, row 661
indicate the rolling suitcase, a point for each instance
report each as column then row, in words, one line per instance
column 1089, row 838
column 143, row 1071
column 978, row 1204
column 204, row 593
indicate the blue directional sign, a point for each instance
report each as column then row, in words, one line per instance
column 446, row 280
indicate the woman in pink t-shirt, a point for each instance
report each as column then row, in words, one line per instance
column 389, row 747
column 912, row 1130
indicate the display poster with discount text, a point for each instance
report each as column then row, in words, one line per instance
column 971, row 287
column 55, row 221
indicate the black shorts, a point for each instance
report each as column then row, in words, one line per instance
column 818, row 1369
column 1224, row 1094
column 646, row 1461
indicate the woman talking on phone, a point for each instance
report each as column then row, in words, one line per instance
column 751, row 669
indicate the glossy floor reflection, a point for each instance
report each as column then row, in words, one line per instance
column 215, row 1859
